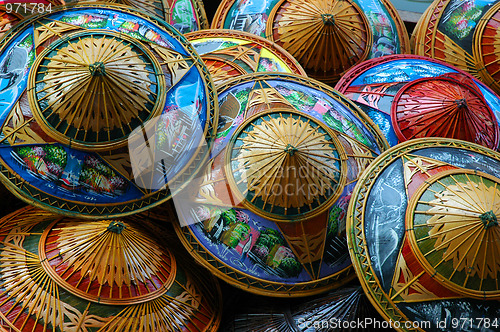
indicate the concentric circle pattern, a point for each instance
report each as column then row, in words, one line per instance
column 65, row 274
column 90, row 90
column 423, row 232
column 104, row 111
column 454, row 231
column 267, row 213
column 106, row 261
column 268, row 152
column 411, row 96
column 444, row 107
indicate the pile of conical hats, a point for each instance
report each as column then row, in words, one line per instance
column 81, row 85
column 133, row 142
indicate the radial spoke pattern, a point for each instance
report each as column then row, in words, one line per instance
column 326, row 37
column 33, row 298
column 444, row 108
column 456, row 232
column 30, row 298
column 95, row 88
column 286, row 163
column 106, row 261
column 187, row 311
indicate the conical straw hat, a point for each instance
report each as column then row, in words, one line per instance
column 69, row 274
column 326, row 37
column 437, row 247
column 105, row 111
column 267, row 213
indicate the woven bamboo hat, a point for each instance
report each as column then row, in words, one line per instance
column 93, row 99
column 464, row 34
column 326, row 37
column 67, row 274
column 229, row 53
column 415, row 97
column 423, row 232
column 268, row 214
